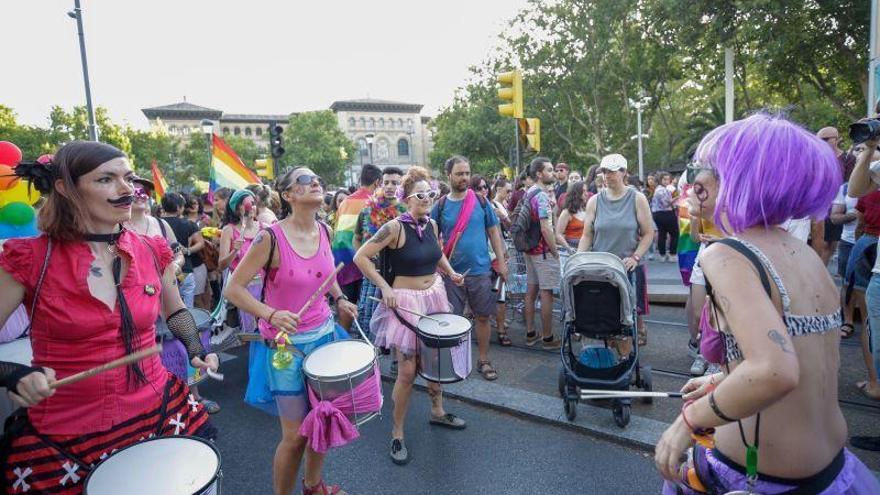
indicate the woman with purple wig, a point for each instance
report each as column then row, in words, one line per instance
column 769, row 422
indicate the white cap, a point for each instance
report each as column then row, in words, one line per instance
column 613, row 162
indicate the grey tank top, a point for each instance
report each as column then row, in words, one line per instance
column 616, row 226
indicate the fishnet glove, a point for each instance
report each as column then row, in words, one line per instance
column 183, row 327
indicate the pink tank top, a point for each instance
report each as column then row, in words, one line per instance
column 245, row 245
column 290, row 285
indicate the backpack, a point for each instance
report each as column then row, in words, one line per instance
column 526, row 233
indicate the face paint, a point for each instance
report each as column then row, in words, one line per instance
column 140, row 193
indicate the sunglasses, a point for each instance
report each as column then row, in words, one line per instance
column 830, row 138
column 421, row 196
column 306, row 179
column 140, row 193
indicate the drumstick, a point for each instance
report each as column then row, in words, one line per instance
column 416, row 313
column 626, row 394
column 321, row 289
column 116, row 363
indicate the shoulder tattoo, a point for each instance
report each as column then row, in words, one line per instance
column 382, row 235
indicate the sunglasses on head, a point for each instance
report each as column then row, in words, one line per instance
column 421, row 196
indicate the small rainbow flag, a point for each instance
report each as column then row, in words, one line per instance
column 158, row 180
column 227, row 169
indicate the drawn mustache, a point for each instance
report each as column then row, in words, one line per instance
column 122, row 200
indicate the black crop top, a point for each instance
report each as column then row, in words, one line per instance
column 417, row 257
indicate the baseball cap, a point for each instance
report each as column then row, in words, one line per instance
column 613, row 162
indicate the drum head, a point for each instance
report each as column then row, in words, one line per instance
column 456, row 325
column 201, row 316
column 166, row 465
column 18, row 351
column 338, row 359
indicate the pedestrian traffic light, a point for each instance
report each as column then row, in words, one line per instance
column 265, row 168
column 511, row 90
column 275, row 142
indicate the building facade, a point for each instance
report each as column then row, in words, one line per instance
column 184, row 119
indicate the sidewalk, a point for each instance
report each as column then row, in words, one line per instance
column 664, row 283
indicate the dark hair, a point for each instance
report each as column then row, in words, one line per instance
column 498, row 184
column 63, row 215
column 475, row 181
column 452, row 161
column 370, row 174
column 392, row 170
column 574, row 198
column 537, row 165
column 223, row 193
column 283, row 183
column 336, row 196
column 262, row 192
column 172, row 203
column 193, row 198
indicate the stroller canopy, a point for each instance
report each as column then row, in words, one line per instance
column 597, row 267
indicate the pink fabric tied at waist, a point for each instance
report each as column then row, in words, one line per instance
column 326, row 426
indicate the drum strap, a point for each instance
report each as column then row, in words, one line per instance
column 403, row 320
column 39, row 286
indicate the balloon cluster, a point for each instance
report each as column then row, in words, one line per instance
column 17, row 215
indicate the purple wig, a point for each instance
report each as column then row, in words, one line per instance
column 770, row 170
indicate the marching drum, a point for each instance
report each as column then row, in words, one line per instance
column 174, row 356
column 336, row 369
column 444, row 348
column 164, row 465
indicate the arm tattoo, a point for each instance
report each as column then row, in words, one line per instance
column 95, row 271
column 382, row 235
column 779, row 340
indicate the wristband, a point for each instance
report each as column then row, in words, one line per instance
column 717, row 410
column 269, row 319
column 341, row 297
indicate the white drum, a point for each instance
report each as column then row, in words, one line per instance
column 163, row 465
column 444, row 348
column 335, row 369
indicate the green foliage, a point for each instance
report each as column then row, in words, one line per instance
column 314, row 139
column 68, row 126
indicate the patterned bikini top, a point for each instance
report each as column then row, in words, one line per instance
column 796, row 325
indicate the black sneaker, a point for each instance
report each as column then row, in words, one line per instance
column 399, row 452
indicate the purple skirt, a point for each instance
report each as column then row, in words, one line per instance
column 247, row 321
column 720, row 475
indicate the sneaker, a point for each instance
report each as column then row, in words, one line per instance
column 552, row 344
column 693, row 349
column 664, row 258
column 673, row 258
column 219, row 336
column 699, row 366
column 210, row 406
column 530, row 341
column 399, row 452
column 712, row 369
column 394, row 368
column 322, row 489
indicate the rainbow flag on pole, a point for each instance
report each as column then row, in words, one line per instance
column 227, row 169
column 158, row 180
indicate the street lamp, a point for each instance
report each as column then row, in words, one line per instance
column 411, row 131
column 369, row 138
column 642, row 102
column 76, row 13
column 208, row 131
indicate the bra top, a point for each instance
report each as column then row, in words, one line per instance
column 796, row 325
column 417, row 257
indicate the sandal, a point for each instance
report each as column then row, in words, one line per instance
column 210, row 406
column 322, row 489
column 449, row 420
column 485, row 368
column 504, row 340
column 847, row 330
column 399, row 452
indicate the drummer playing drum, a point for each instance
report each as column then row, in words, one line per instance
column 414, row 254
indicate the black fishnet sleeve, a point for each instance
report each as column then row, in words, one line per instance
column 183, row 327
column 11, row 373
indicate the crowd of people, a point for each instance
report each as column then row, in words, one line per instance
column 752, row 224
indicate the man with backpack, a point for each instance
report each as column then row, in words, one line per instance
column 532, row 231
column 468, row 224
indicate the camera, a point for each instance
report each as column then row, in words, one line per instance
column 864, row 130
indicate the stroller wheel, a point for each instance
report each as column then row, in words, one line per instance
column 571, row 409
column 647, row 384
column 621, row 414
column 561, row 382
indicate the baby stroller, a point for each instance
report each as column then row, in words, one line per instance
column 599, row 302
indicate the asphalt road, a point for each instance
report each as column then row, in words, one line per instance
column 497, row 453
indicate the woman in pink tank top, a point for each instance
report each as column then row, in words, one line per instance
column 300, row 261
column 235, row 240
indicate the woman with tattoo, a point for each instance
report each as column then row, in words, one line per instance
column 297, row 252
column 413, row 255
column 94, row 290
column 773, row 409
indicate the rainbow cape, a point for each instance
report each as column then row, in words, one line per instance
column 687, row 247
column 342, row 246
column 158, row 180
column 227, row 169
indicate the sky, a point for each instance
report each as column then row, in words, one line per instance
column 254, row 56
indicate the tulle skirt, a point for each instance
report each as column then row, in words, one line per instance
column 391, row 333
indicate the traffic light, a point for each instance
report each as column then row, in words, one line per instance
column 265, row 168
column 275, row 142
column 511, row 90
column 530, row 134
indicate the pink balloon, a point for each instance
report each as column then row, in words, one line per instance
column 9, row 153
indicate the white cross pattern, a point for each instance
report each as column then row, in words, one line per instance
column 71, row 473
column 193, row 403
column 20, row 482
column 177, row 424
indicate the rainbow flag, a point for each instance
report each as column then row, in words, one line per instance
column 343, row 246
column 227, row 169
column 158, row 180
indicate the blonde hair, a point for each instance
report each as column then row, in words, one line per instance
column 414, row 175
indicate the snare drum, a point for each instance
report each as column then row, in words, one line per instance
column 444, row 348
column 335, row 369
column 163, row 465
column 174, row 356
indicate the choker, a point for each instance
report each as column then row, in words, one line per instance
column 108, row 238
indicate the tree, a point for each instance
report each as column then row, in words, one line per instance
column 68, row 126
column 33, row 141
column 314, row 139
column 155, row 144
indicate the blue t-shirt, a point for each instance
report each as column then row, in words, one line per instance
column 472, row 250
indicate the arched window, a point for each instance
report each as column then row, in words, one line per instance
column 351, row 121
column 402, row 147
column 362, row 147
column 259, row 131
column 372, row 123
column 363, row 122
column 400, row 123
column 381, row 123
column 237, row 131
column 225, row 130
column 247, row 131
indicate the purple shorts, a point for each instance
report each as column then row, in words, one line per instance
column 721, row 475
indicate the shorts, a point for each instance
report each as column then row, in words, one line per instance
column 200, row 276
column 543, row 270
column 697, row 276
column 477, row 292
column 843, row 250
column 857, row 268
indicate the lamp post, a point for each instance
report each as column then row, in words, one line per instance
column 411, row 131
column 369, row 138
column 76, row 13
column 642, row 102
column 208, row 131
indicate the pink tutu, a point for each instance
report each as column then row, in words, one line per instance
column 391, row 333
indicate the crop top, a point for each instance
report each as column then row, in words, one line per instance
column 418, row 256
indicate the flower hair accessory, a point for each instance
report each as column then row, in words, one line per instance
column 41, row 173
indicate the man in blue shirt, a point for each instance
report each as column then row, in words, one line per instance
column 470, row 253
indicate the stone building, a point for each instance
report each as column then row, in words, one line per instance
column 184, row 119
